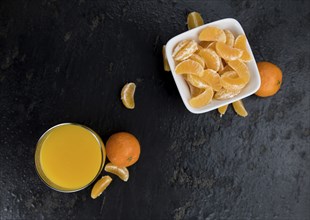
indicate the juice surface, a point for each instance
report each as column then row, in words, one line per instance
column 70, row 156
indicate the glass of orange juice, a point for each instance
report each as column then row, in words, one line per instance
column 69, row 157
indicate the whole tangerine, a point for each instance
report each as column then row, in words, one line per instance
column 123, row 149
column 271, row 79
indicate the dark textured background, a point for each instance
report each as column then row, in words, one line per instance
column 66, row 62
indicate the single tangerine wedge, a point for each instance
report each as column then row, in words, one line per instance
column 186, row 51
column 212, row 34
column 189, row 67
column 241, row 69
column 198, row 59
column 196, row 81
column 231, row 81
column 212, row 60
column 226, row 94
column 230, row 38
column 127, row 95
column 227, row 52
column 179, row 47
column 194, row 20
column 239, row 108
column 222, row 110
column 121, row 172
column 100, row 186
column 212, row 78
column 165, row 61
column 202, row 99
column 240, row 43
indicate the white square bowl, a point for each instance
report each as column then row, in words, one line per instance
column 253, row 85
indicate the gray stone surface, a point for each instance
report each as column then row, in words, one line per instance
column 64, row 61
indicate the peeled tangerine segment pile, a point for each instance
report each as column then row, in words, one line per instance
column 227, row 52
column 214, row 68
column 194, row 19
column 121, row 172
column 241, row 69
column 100, row 186
column 185, row 51
column 226, row 94
column 127, row 95
column 230, row 38
column 222, row 110
column 198, row 59
column 212, row 60
column 239, row 108
column 240, row 43
column 189, row 67
column 202, row 99
column 166, row 64
column 212, row 34
column 196, row 81
column 231, row 81
column 213, row 79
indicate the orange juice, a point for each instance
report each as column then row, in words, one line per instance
column 69, row 157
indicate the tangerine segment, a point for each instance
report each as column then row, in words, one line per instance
column 226, row 94
column 100, row 186
column 241, row 69
column 226, row 69
column 212, row 60
column 231, row 81
column 194, row 90
column 186, row 51
column 166, row 65
column 196, row 81
column 179, row 47
column 127, row 95
column 227, row 52
column 189, row 67
column 212, row 34
column 194, row 19
column 212, row 78
column 222, row 110
column 121, row 172
column 230, row 38
column 202, row 99
column 240, row 43
column 239, row 108
column 198, row 59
